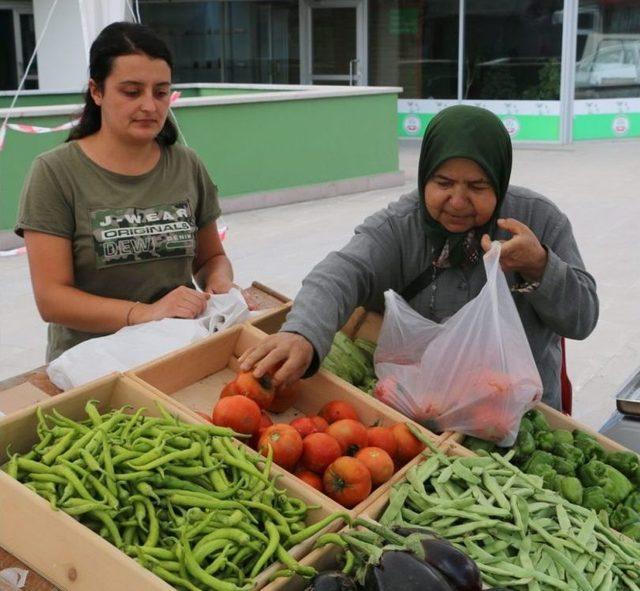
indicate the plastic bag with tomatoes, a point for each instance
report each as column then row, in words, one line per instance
column 474, row 373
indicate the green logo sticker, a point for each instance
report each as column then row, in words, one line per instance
column 134, row 235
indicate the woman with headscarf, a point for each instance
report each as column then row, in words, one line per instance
column 428, row 247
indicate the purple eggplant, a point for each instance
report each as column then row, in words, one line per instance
column 458, row 568
column 332, row 581
column 403, row 571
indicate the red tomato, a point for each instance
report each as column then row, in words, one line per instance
column 238, row 413
column 265, row 421
column 351, row 435
column 229, row 389
column 305, row 426
column 383, row 438
column 259, row 389
column 378, row 462
column 320, row 423
column 318, row 451
column 310, row 478
column 409, row 446
column 285, row 397
column 286, row 443
column 336, row 410
column 347, row 481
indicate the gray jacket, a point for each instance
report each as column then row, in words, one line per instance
column 389, row 250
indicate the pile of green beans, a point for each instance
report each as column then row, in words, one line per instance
column 521, row 535
column 184, row 500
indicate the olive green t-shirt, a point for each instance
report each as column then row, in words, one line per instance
column 133, row 237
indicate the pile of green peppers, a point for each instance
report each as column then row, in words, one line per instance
column 574, row 464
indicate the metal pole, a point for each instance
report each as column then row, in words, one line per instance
column 568, row 69
column 460, row 50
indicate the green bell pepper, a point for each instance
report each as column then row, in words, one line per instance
column 526, row 425
column 563, row 436
column 538, row 420
column 633, row 500
column 539, row 457
column 623, row 516
column 571, row 489
column 632, row 531
column 545, row 440
column 569, row 452
column 615, row 484
column 476, row 445
column 546, row 472
column 564, row 466
column 588, row 445
column 524, row 447
column 624, row 461
column 593, row 497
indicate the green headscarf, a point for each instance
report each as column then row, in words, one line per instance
column 463, row 131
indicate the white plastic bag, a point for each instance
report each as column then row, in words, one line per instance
column 474, row 373
column 133, row 345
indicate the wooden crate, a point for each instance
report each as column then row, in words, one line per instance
column 64, row 551
column 558, row 420
column 195, row 375
column 272, row 305
column 327, row 557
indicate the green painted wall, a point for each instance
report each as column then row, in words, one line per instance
column 41, row 100
column 530, row 128
column 251, row 147
column 606, row 126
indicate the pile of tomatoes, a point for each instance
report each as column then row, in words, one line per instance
column 333, row 451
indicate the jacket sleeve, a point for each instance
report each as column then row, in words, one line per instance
column 366, row 266
column 566, row 299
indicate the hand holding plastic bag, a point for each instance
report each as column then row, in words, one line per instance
column 474, row 373
column 134, row 345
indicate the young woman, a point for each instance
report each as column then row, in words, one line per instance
column 120, row 220
column 428, row 247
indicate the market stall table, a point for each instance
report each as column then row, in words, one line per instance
column 262, row 297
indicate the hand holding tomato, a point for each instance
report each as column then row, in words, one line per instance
column 292, row 353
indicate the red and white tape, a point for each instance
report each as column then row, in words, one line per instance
column 34, row 129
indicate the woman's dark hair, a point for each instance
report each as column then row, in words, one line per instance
column 118, row 39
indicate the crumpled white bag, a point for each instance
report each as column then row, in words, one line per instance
column 17, row 577
column 134, row 345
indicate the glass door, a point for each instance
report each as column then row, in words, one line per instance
column 17, row 41
column 333, row 42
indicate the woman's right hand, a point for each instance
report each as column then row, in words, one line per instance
column 291, row 353
column 182, row 302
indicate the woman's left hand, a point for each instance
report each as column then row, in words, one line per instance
column 522, row 253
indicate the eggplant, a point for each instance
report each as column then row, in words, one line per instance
column 332, row 581
column 458, row 568
column 403, row 571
